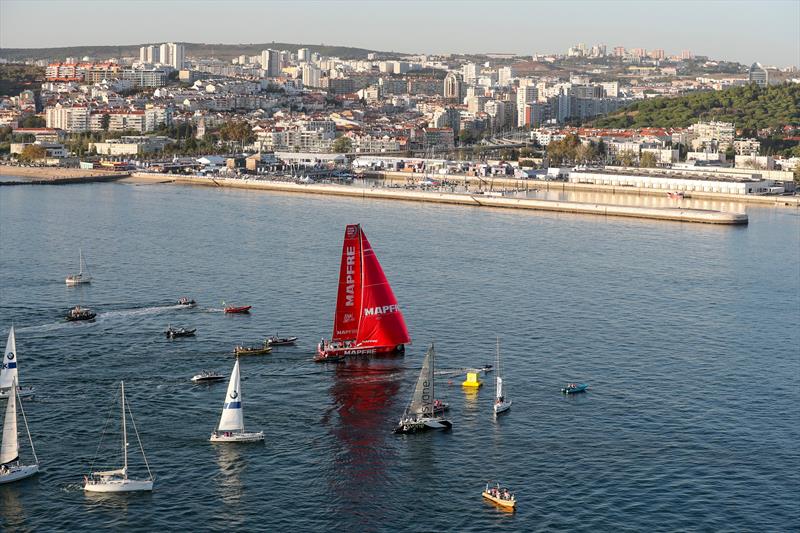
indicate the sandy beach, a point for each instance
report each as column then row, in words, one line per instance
column 57, row 174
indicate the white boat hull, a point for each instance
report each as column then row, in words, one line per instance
column 502, row 407
column 80, row 281
column 119, row 485
column 16, row 473
column 23, row 392
column 237, row 437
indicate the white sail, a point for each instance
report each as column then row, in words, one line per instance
column 422, row 400
column 8, row 374
column 232, row 418
column 499, row 393
column 9, row 450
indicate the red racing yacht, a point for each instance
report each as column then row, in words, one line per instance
column 368, row 320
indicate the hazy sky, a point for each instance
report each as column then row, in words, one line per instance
column 767, row 31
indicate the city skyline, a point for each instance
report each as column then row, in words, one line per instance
column 713, row 29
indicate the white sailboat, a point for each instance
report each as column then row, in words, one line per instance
column 231, row 423
column 82, row 277
column 420, row 413
column 501, row 403
column 11, row 469
column 118, row 480
column 9, row 372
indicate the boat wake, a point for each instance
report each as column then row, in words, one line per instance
column 137, row 312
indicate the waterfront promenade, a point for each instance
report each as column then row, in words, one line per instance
column 521, row 184
column 467, row 199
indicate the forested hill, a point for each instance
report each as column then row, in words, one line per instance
column 750, row 107
column 220, row 51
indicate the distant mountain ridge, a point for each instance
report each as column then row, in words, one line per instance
column 220, row 51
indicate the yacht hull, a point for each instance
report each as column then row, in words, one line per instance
column 16, row 473
column 121, row 485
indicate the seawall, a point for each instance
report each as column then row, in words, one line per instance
column 514, row 183
column 673, row 214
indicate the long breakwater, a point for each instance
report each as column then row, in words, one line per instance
column 474, row 200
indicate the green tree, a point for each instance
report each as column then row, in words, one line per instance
column 105, row 121
column 32, row 122
column 32, row 152
column 648, row 160
column 626, row 158
column 342, row 145
column 238, row 131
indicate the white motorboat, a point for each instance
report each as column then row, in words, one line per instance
column 421, row 413
column 231, row 423
column 82, row 277
column 207, row 376
column 117, row 480
column 11, row 468
column 501, row 403
column 9, row 373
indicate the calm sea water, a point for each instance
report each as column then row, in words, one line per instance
column 688, row 335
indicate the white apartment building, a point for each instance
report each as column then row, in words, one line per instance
column 504, row 76
column 271, row 63
column 69, row 119
column 470, row 73
column 311, row 76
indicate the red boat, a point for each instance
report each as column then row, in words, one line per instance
column 368, row 320
column 239, row 310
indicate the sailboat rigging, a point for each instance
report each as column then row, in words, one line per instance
column 11, row 468
column 420, row 415
column 231, row 422
column 367, row 320
column 9, row 372
column 82, row 277
column 117, row 480
column 501, row 403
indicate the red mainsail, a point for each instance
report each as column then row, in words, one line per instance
column 348, row 301
column 382, row 323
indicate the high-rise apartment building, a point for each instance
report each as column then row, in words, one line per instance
column 452, row 87
column 526, row 94
column 470, row 72
column 311, row 76
column 504, row 76
column 271, row 63
column 303, row 55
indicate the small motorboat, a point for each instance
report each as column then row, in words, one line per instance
column 252, row 350
column 500, row 496
column 186, row 302
column 80, row 313
column 207, row 376
column 325, row 357
column 486, row 368
column 281, row 341
column 440, row 407
column 675, row 195
column 238, row 310
column 179, row 332
column 574, row 388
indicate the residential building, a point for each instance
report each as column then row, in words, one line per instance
column 526, row 94
column 70, row 119
column 758, row 75
column 311, row 76
column 504, row 76
column 452, row 87
column 271, row 63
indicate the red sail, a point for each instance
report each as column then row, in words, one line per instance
column 348, row 302
column 382, row 323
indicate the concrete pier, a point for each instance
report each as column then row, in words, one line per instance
column 475, row 200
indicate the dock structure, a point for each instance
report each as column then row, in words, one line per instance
column 474, row 200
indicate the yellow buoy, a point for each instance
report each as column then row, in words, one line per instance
column 472, row 380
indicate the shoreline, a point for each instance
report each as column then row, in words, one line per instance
column 56, row 175
column 654, row 213
column 521, row 184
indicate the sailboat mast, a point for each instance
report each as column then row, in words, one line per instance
column 124, row 431
column 497, row 362
column 80, row 261
column 25, row 419
column 433, row 392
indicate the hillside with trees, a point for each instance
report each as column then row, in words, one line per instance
column 16, row 78
column 750, row 107
column 220, row 51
